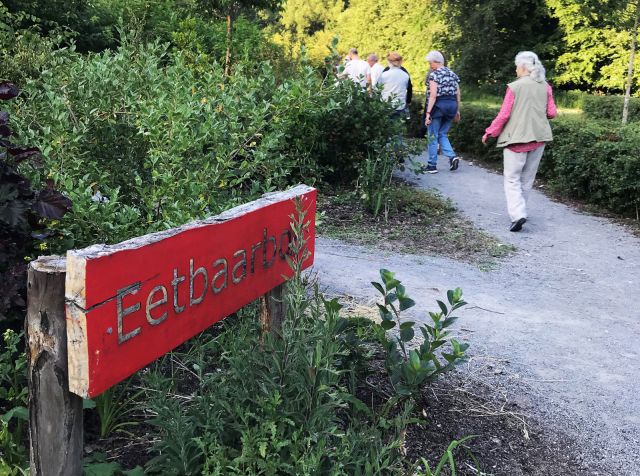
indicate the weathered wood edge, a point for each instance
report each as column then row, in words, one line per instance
column 99, row 250
column 77, row 345
column 55, row 415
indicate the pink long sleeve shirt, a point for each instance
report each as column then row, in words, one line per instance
column 501, row 119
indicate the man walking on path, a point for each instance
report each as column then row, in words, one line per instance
column 357, row 70
column 376, row 69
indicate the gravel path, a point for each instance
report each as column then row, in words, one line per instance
column 562, row 314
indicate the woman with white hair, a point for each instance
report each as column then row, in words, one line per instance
column 522, row 128
column 443, row 107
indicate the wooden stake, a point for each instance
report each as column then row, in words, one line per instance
column 273, row 311
column 55, row 414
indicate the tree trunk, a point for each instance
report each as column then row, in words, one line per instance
column 227, row 60
column 55, row 414
column 627, row 93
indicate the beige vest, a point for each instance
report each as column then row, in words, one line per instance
column 528, row 120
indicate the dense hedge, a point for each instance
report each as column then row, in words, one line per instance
column 610, row 107
column 594, row 161
column 140, row 140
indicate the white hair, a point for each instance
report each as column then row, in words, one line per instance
column 435, row 57
column 530, row 61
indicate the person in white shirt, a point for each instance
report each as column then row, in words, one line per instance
column 395, row 83
column 357, row 70
column 376, row 68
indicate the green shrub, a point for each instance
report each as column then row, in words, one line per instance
column 594, row 161
column 140, row 141
column 597, row 162
column 415, row 125
column 275, row 404
column 466, row 135
column 609, row 107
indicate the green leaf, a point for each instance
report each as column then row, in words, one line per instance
column 406, row 303
column 443, row 307
column 388, row 325
column 400, row 291
column 332, row 306
column 358, row 404
column 384, row 312
column 137, row 471
column 457, row 294
column 21, row 413
column 449, row 321
column 379, row 287
column 406, row 334
column 450, row 297
column 414, row 359
column 388, row 278
column 407, row 324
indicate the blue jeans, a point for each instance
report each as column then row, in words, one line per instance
column 437, row 134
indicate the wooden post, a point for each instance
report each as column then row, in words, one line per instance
column 55, row 414
column 273, row 310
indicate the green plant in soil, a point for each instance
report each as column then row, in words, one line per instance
column 115, row 408
column 410, row 369
column 448, row 458
column 276, row 404
column 13, row 401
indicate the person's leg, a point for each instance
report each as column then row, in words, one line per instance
column 513, row 164
column 445, row 146
column 432, row 138
column 530, row 170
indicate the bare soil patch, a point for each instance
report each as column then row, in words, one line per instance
column 416, row 222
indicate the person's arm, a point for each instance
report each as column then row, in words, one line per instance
column 501, row 119
column 552, row 110
column 433, row 93
column 409, row 88
column 457, row 116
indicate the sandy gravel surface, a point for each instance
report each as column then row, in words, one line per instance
column 562, row 315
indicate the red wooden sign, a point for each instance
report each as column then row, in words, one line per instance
column 131, row 303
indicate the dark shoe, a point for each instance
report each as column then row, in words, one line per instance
column 431, row 169
column 453, row 163
column 517, row 225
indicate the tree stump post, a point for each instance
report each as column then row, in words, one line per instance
column 55, row 414
column 273, row 309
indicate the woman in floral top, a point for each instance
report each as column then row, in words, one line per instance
column 443, row 107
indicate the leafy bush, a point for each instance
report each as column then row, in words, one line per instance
column 466, row 136
column 22, row 211
column 275, row 404
column 142, row 142
column 609, row 107
column 410, row 369
column 13, row 402
column 25, row 52
column 594, row 161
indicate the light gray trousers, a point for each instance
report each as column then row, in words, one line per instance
column 520, row 170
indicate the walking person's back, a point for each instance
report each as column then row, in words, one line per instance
column 522, row 128
column 357, row 70
column 395, row 81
